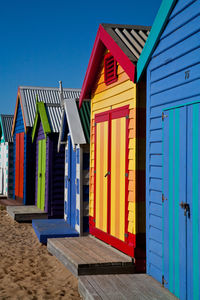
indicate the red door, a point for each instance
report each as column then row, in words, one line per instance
column 19, row 165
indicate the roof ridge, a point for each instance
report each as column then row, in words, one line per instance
column 47, row 88
column 143, row 27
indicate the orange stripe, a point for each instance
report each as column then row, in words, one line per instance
column 118, row 172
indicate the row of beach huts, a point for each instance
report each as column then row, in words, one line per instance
column 119, row 158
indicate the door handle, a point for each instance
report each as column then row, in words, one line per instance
column 40, row 175
column 108, row 173
column 186, row 208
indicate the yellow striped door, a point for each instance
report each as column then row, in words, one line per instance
column 118, row 169
column 101, row 209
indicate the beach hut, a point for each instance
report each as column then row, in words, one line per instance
column 24, row 150
column 49, row 171
column 6, row 156
column 117, row 143
column 171, row 59
column 75, row 134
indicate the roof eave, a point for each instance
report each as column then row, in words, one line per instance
column 104, row 40
column 154, row 35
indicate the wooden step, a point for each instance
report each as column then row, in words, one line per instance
column 26, row 213
column 87, row 255
column 123, row 287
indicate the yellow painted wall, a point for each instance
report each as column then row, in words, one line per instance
column 106, row 97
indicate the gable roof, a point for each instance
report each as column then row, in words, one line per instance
column 76, row 121
column 154, row 36
column 26, row 96
column 6, row 122
column 125, row 42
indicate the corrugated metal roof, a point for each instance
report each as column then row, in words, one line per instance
column 130, row 38
column 7, row 121
column 50, row 96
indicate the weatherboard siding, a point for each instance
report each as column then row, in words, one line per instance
column 56, row 167
column 168, row 85
column 118, row 94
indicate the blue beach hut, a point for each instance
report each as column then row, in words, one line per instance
column 171, row 59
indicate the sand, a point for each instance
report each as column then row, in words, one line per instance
column 27, row 270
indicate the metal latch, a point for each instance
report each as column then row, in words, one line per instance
column 163, row 280
column 164, row 116
column 163, row 198
column 126, row 235
column 186, row 208
column 108, row 173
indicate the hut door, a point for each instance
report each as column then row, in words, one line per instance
column 181, row 201
column 19, row 165
column 111, row 177
column 41, row 174
column 1, row 171
column 70, row 184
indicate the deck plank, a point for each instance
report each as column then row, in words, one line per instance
column 87, row 256
column 125, row 286
column 26, row 213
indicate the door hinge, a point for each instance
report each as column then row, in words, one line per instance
column 127, row 117
column 126, row 235
column 163, row 198
column 164, row 116
column 163, row 280
column 126, row 174
column 94, row 171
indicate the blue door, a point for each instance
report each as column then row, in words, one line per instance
column 70, row 184
column 181, row 201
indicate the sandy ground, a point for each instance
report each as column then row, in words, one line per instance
column 27, row 270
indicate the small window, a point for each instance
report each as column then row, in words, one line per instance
column 110, row 69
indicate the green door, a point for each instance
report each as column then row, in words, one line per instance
column 41, row 174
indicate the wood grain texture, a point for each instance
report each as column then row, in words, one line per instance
column 87, row 255
column 124, row 286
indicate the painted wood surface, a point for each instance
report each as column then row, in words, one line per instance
column 41, row 174
column 77, row 186
column 6, row 169
column 173, row 80
column 29, row 160
column 19, row 165
column 49, row 192
column 113, row 96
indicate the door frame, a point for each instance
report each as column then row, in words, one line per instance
column 123, row 246
column 41, row 141
column 18, row 178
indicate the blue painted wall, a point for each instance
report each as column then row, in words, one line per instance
column 172, row 79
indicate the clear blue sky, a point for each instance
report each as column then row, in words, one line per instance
column 42, row 42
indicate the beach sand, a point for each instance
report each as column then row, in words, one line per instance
column 27, row 270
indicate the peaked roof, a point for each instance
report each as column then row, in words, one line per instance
column 76, row 121
column 26, row 96
column 6, row 122
column 154, row 36
column 125, row 42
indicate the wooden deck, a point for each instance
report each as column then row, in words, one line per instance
column 26, row 213
column 121, row 287
column 9, row 201
column 87, row 255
